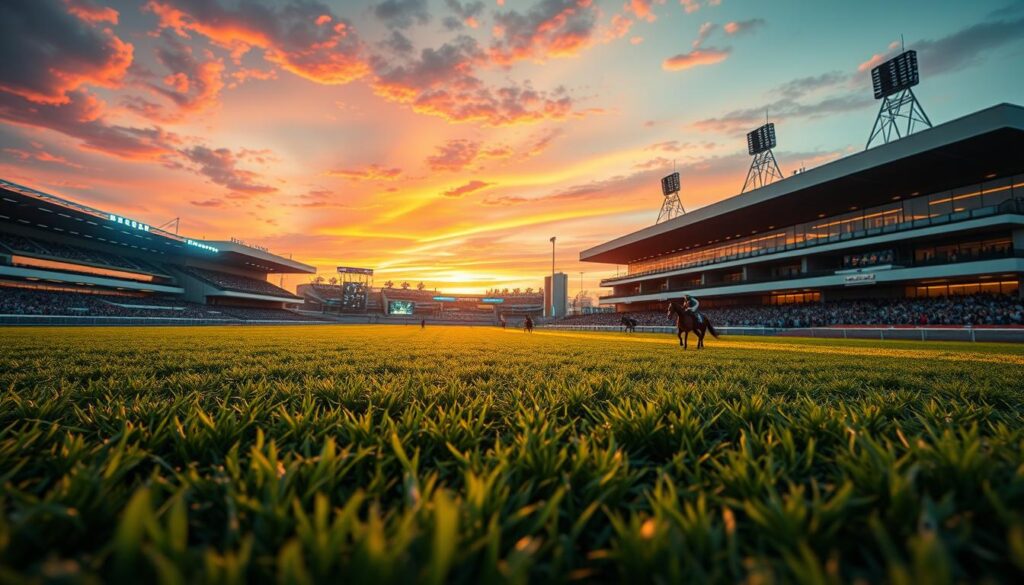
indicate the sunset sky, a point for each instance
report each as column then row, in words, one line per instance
column 447, row 140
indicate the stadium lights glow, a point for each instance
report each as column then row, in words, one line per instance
column 201, row 246
column 128, row 222
column 492, row 301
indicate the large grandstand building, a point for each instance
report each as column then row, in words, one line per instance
column 937, row 213
column 62, row 259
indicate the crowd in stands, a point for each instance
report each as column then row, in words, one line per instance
column 17, row 301
column 234, row 282
column 49, row 249
column 979, row 309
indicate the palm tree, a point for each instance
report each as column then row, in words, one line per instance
column 333, row 280
column 318, row 280
column 529, row 290
column 389, row 284
column 405, row 286
column 420, row 286
column 516, row 291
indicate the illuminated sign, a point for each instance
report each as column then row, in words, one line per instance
column 445, row 299
column 492, row 301
column 201, row 246
column 129, row 222
column 352, row 270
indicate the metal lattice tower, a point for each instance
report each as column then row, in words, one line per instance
column 897, row 117
column 671, row 207
column 763, row 170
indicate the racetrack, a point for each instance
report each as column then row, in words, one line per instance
column 466, row 454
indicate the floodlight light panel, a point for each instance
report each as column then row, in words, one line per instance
column 895, row 75
column 670, row 184
column 761, row 139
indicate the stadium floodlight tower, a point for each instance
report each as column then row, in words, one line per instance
column 892, row 82
column 671, row 207
column 764, row 168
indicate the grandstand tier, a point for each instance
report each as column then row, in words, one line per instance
column 62, row 258
column 938, row 213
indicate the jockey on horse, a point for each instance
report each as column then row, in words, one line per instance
column 688, row 319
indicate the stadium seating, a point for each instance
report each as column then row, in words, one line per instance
column 234, row 282
column 980, row 309
column 18, row 301
column 52, row 250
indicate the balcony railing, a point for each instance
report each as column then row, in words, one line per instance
column 1009, row 206
column 936, row 261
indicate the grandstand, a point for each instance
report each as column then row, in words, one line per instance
column 63, row 262
column 936, row 214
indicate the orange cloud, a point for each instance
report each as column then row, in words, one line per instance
column 643, row 9
column 556, row 28
column 467, row 188
column 90, row 12
column 372, row 172
column 695, row 58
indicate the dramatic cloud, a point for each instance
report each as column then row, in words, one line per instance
column 797, row 88
column 466, row 14
column 441, row 82
column 89, row 11
column 746, row 119
column 38, row 154
column 51, row 49
column 304, row 37
column 457, row 155
column 402, row 13
column 695, row 58
column 372, row 172
column 191, row 84
column 469, row 187
column 742, row 26
column 220, row 166
column 81, row 117
column 966, row 47
column 552, row 28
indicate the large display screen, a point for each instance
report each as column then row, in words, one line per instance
column 401, row 307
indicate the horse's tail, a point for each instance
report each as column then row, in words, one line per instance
column 711, row 328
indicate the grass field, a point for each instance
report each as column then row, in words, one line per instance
column 376, row 454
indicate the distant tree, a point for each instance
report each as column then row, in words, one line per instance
column 405, row 286
column 333, row 280
column 389, row 284
column 420, row 286
column 318, row 280
column 504, row 291
column 516, row 291
column 529, row 290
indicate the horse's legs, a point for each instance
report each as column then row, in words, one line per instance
column 686, row 339
column 679, row 334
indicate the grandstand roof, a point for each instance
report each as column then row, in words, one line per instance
column 48, row 212
column 969, row 149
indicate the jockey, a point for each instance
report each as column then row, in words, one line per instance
column 690, row 303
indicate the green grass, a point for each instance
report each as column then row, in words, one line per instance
column 376, row 454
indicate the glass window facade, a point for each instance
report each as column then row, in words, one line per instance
column 995, row 287
column 962, row 203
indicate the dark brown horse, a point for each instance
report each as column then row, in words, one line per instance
column 629, row 323
column 528, row 324
column 686, row 321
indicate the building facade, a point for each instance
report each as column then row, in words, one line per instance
column 937, row 213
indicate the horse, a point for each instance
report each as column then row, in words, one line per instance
column 629, row 323
column 686, row 321
column 528, row 325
